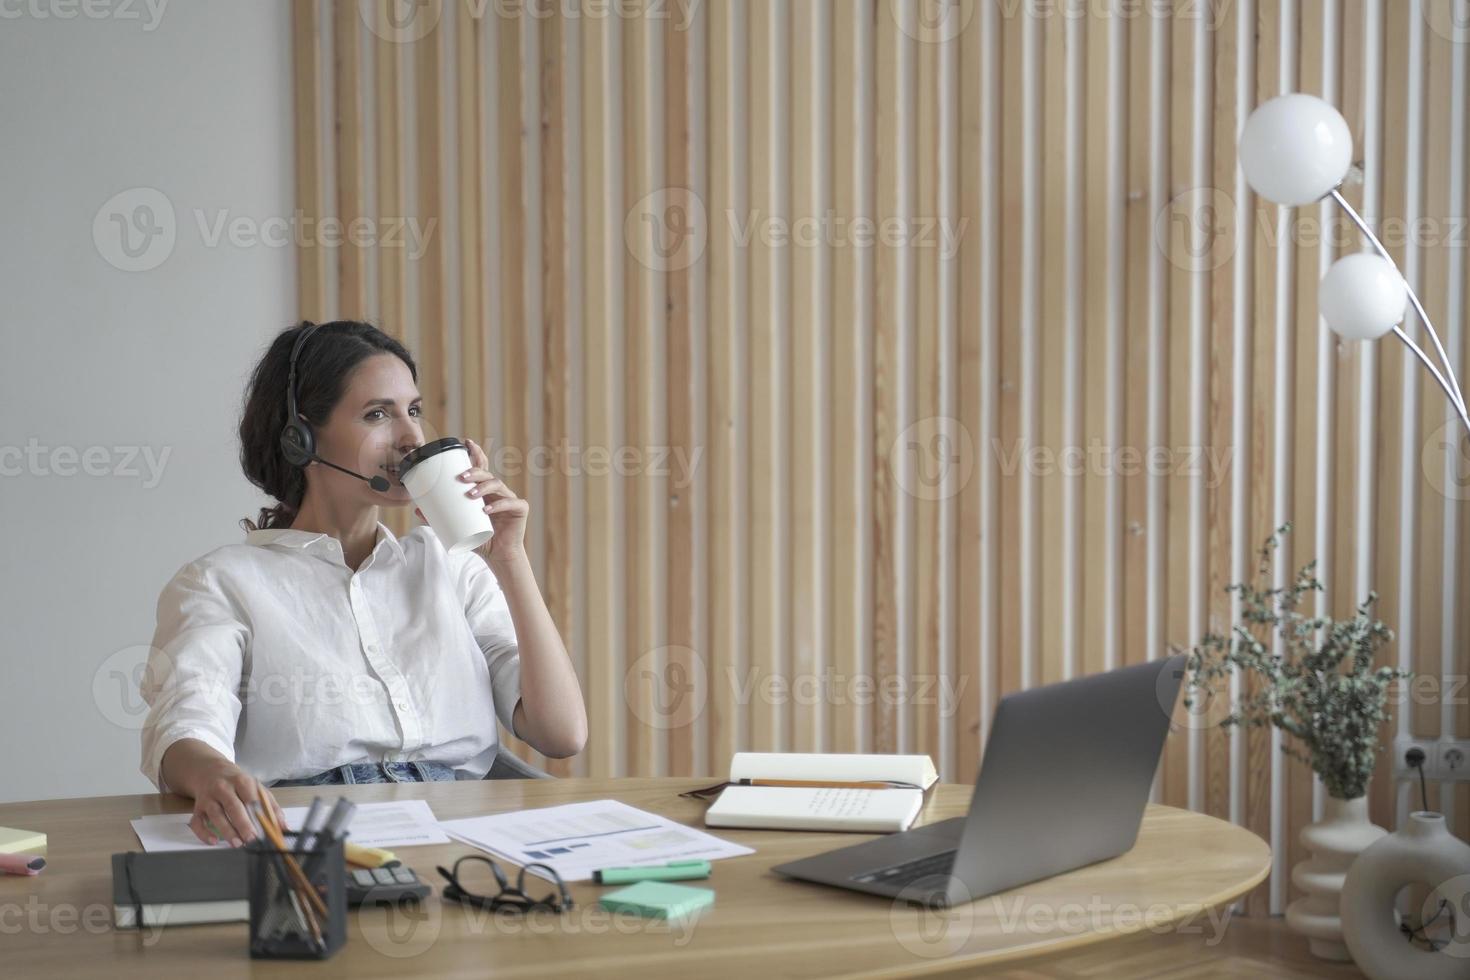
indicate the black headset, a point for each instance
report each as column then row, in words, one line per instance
column 298, row 442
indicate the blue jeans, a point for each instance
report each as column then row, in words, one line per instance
column 377, row 772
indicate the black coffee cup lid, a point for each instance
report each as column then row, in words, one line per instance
column 425, row 451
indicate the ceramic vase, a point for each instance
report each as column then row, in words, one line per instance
column 1335, row 841
column 1423, row 852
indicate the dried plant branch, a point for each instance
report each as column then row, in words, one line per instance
column 1324, row 691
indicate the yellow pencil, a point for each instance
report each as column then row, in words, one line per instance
column 274, row 834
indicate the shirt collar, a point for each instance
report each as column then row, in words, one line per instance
column 285, row 537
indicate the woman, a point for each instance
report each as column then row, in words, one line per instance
column 326, row 650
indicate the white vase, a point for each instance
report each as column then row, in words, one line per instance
column 1422, row 852
column 1335, row 841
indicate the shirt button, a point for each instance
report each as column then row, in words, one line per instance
column 402, row 706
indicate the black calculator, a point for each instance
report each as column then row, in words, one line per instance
column 390, row 884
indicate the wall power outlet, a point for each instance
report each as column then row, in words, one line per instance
column 1446, row 760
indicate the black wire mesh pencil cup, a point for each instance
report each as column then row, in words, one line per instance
column 286, row 921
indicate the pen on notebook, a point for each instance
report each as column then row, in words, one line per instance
column 827, row 783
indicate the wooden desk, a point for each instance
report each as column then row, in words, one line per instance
column 762, row 925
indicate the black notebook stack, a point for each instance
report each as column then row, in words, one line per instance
column 174, row 888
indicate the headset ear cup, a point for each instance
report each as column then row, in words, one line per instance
column 298, row 444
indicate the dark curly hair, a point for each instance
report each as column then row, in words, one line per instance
column 322, row 370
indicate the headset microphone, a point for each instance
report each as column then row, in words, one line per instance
column 378, row 483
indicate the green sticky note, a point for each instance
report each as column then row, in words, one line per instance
column 658, row 900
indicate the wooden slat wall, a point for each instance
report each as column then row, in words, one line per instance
column 646, row 230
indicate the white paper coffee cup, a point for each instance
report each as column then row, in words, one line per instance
column 431, row 475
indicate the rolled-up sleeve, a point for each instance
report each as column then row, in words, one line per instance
column 192, row 680
column 488, row 614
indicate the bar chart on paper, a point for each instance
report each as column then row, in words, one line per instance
column 578, row 838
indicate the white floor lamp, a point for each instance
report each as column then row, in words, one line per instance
column 1296, row 150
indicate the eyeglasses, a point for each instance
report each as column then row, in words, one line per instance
column 465, row 889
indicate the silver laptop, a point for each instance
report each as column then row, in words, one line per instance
column 1063, row 784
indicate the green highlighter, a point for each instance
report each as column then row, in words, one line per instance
column 657, row 900
column 672, row 871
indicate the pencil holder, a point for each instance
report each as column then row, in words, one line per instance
column 285, row 923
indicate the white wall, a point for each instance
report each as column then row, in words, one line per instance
column 191, row 98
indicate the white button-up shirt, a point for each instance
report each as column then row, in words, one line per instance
column 287, row 662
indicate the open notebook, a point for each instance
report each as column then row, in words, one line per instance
column 748, row 804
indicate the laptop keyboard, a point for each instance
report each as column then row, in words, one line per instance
column 910, row 871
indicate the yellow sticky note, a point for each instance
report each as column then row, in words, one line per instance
column 13, row 841
column 367, row 857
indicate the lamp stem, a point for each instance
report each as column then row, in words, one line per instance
column 1419, row 352
column 1452, row 388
